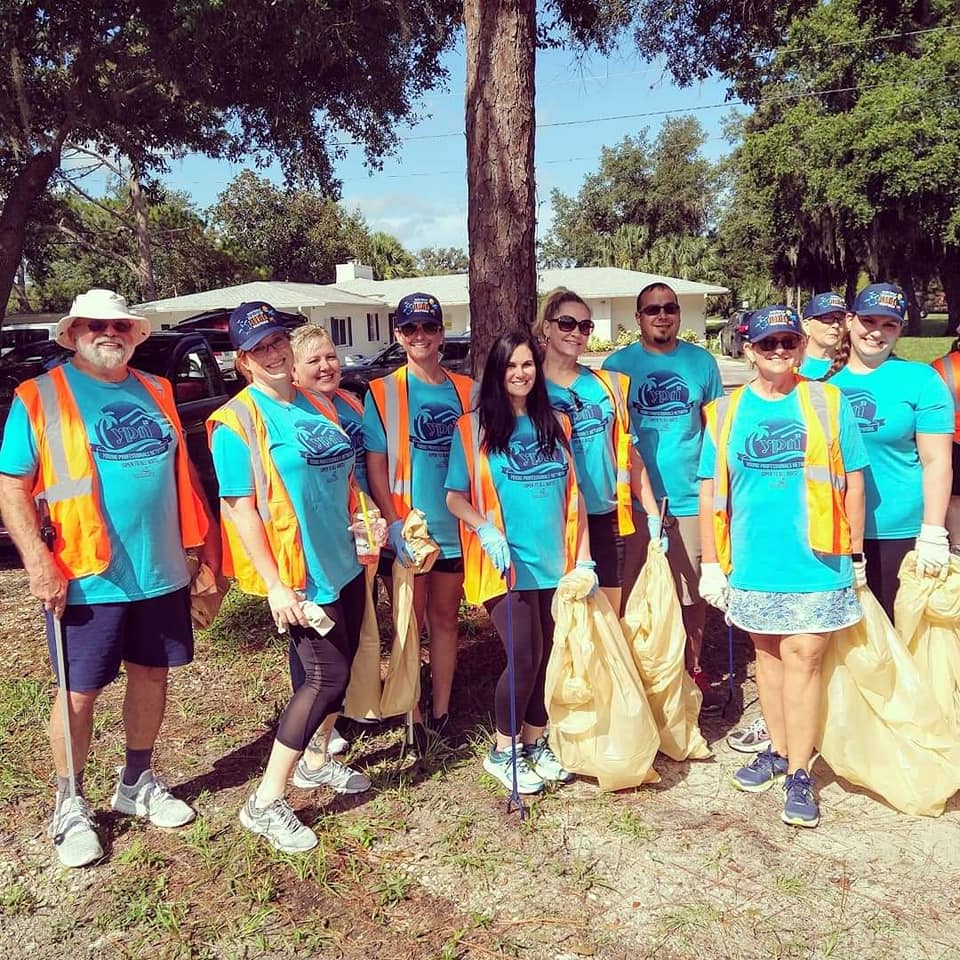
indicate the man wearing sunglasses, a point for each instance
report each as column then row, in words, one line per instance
column 103, row 445
column 670, row 383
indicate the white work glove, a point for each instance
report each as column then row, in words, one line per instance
column 713, row 586
column 933, row 551
column 860, row 572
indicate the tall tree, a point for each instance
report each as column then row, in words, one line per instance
column 436, row 261
column 271, row 78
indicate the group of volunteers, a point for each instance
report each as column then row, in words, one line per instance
column 773, row 503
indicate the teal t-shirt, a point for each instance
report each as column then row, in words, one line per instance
column 352, row 423
column 134, row 454
column 532, row 488
column 892, row 404
column 434, row 411
column 590, row 409
column 314, row 458
column 813, row 368
column 667, row 394
column 769, row 540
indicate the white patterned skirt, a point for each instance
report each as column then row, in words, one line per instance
column 758, row 611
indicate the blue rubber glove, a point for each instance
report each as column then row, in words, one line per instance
column 495, row 543
column 398, row 545
column 653, row 526
column 592, row 567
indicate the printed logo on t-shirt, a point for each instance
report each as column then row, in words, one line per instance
column 865, row 410
column 586, row 417
column 128, row 432
column 324, row 444
column 775, row 445
column 432, row 428
column 354, row 430
column 664, row 393
column 527, row 463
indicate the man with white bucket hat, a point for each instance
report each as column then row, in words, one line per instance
column 93, row 461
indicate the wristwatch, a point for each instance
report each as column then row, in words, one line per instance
column 856, row 557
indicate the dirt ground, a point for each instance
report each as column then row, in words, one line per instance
column 428, row 864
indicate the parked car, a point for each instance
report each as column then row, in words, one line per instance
column 185, row 359
column 357, row 376
column 13, row 335
column 732, row 334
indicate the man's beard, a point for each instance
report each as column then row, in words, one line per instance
column 102, row 357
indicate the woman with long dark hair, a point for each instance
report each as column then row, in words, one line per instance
column 511, row 483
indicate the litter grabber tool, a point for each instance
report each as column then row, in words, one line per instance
column 48, row 534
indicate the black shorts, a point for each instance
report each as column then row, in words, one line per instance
column 606, row 548
column 955, row 489
column 441, row 565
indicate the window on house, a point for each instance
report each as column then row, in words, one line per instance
column 341, row 329
column 373, row 327
column 391, row 317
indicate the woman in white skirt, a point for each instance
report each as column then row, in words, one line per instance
column 781, row 513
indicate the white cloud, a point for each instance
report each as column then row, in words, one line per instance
column 415, row 220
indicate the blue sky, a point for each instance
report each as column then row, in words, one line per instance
column 420, row 195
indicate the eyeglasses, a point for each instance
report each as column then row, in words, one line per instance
column 832, row 319
column 264, row 347
column 429, row 327
column 652, row 309
column 100, row 326
column 569, row 324
column 577, row 401
column 769, row 344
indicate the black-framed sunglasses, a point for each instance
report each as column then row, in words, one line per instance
column 769, row 344
column 99, row 326
column 653, row 309
column 569, row 324
column 430, row 327
column 576, row 399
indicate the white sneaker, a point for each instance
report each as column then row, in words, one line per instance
column 337, row 744
column 333, row 774
column 279, row 824
column 753, row 738
column 74, row 836
column 498, row 764
column 546, row 764
column 149, row 797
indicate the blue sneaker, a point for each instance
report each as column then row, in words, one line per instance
column 799, row 805
column 761, row 773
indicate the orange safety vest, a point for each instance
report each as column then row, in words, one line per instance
column 828, row 530
column 67, row 476
column 391, row 398
column 619, row 444
column 949, row 369
column 481, row 579
column 242, row 416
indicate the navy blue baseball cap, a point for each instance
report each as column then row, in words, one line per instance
column 251, row 322
column 770, row 320
column 881, row 299
column 824, row 303
column 416, row 307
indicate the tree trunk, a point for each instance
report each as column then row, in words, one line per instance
column 950, row 281
column 27, row 187
column 141, row 228
column 914, row 323
column 501, row 56
column 20, row 289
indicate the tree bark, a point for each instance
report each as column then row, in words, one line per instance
column 501, row 57
column 141, row 228
column 27, row 187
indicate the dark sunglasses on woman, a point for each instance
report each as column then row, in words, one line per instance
column 569, row 324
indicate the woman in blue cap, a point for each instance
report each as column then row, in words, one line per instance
column 905, row 414
column 783, row 455
column 823, row 319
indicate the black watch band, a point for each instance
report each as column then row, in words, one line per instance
column 856, row 557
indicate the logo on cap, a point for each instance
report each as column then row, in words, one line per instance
column 891, row 299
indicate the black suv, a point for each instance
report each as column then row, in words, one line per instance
column 185, row 359
column 356, row 376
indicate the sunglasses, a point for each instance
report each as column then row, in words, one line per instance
column 575, row 398
column 100, row 326
column 429, row 327
column 569, row 324
column 652, row 309
column 769, row 344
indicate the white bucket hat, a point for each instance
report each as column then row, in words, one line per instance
column 100, row 305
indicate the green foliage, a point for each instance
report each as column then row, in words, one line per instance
column 437, row 261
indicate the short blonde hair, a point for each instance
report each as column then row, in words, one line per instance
column 303, row 338
column 551, row 304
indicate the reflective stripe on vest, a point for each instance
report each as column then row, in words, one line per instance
column 619, row 443
column 947, row 368
column 828, row 530
column 391, row 397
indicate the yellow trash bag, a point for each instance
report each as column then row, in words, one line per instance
column 600, row 722
column 401, row 688
column 880, row 726
column 653, row 627
column 927, row 615
column 362, row 699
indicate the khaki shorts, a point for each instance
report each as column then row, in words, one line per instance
column 683, row 553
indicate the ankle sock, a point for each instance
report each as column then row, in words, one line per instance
column 136, row 762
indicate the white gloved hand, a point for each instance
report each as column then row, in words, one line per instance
column 713, row 586
column 860, row 573
column 933, row 550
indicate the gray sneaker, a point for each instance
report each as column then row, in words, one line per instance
column 333, row 774
column 278, row 824
column 149, row 797
column 74, row 836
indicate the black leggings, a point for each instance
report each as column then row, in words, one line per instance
column 532, row 642
column 320, row 666
column 883, row 566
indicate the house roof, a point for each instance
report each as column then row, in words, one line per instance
column 279, row 294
